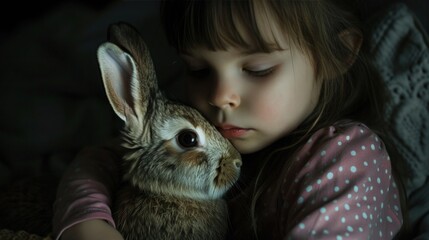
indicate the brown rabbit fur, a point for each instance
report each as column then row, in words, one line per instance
column 178, row 166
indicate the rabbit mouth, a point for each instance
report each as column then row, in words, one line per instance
column 227, row 173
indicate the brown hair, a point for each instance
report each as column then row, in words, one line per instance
column 349, row 90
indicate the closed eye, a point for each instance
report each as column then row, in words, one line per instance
column 260, row 73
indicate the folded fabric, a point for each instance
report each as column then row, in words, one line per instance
column 399, row 46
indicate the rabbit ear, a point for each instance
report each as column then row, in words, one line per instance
column 119, row 74
column 128, row 73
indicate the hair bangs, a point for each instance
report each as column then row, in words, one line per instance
column 217, row 25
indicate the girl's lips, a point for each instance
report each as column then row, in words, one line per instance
column 231, row 132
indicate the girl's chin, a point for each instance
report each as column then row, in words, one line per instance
column 246, row 146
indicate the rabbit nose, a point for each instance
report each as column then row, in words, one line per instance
column 237, row 163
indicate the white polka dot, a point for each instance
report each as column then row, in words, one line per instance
column 353, row 153
column 340, row 143
column 309, row 188
column 340, row 169
column 372, row 147
column 343, row 219
column 322, row 210
column 325, row 231
column 396, row 208
column 326, row 218
column 360, row 229
column 365, row 163
column 353, row 169
column 378, row 180
column 336, row 189
column 302, row 225
column 347, row 138
column 350, row 228
column 364, row 215
column 323, row 153
column 337, row 209
column 339, row 237
column 363, row 147
column 389, row 219
column 330, row 175
column 357, row 217
column 356, row 189
column 319, row 181
column 347, row 206
column 300, row 200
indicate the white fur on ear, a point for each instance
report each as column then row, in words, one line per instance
column 119, row 73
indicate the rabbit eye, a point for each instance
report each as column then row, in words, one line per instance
column 187, row 138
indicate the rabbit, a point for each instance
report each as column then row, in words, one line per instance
column 178, row 166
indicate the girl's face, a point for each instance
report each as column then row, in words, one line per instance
column 253, row 98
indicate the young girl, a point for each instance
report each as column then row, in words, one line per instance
column 287, row 82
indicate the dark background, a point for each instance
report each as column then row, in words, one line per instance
column 16, row 13
column 52, row 101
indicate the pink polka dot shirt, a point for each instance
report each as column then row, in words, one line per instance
column 339, row 186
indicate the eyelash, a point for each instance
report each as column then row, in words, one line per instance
column 260, row 73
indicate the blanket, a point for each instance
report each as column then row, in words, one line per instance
column 400, row 49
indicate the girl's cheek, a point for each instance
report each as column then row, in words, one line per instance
column 266, row 113
column 267, row 101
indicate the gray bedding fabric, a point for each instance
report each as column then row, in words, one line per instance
column 399, row 46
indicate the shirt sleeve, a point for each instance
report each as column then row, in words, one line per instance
column 85, row 190
column 346, row 189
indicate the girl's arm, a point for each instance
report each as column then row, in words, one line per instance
column 84, row 195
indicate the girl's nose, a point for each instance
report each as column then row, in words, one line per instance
column 225, row 95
